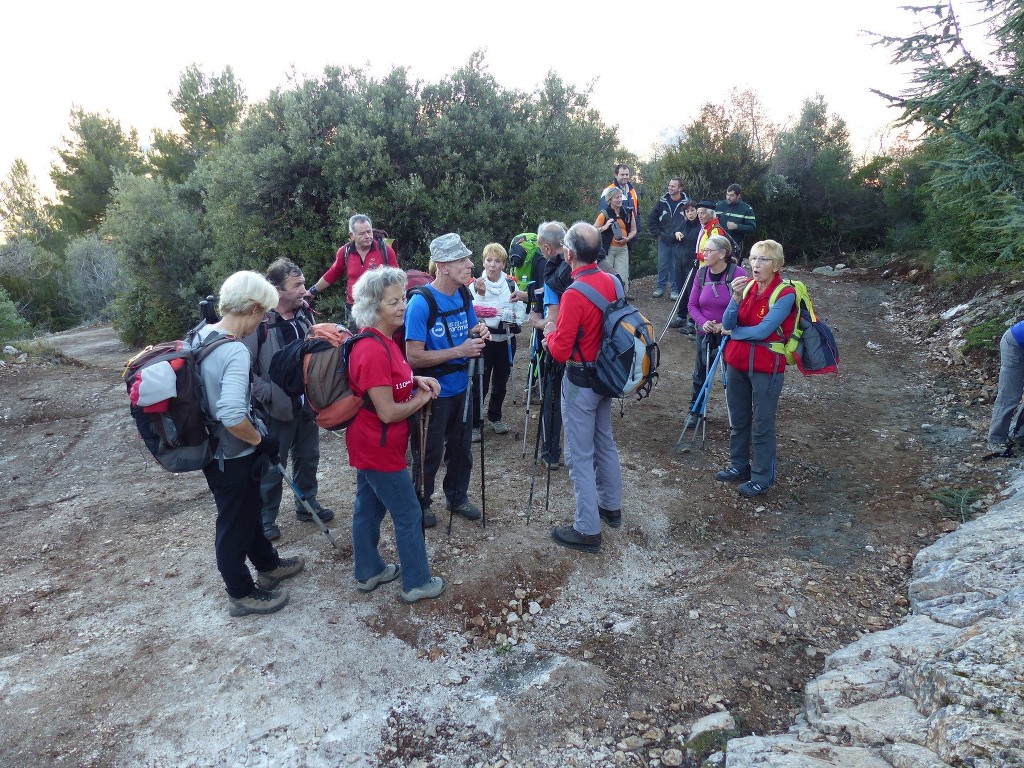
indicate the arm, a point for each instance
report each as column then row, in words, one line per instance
column 336, row 270
column 560, row 331
column 632, row 227
column 783, row 307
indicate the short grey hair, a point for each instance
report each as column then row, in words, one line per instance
column 359, row 218
column 552, row 233
column 368, row 293
column 243, row 291
column 584, row 241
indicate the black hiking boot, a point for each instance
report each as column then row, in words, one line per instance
column 733, row 475
column 611, row 516
column 568, row 536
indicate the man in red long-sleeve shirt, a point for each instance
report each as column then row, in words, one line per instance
column 361, row 253
column 590, row 450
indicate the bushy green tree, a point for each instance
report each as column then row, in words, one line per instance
column 34, row 277
column 23, row 210
column 12, row 325
column 95, row 151
column 463, row 154
column 210, row 107
column 971, row 107
column 160, row 244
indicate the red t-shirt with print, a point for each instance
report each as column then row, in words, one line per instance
column 370, row 445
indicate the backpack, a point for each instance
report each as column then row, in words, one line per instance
column 434, row 312
column 317, row 368
column 168, row 401
column 522, row 252
column 812, row 346
column 628, row 358
column 702, row 274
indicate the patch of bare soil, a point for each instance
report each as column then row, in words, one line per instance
column 116, row 647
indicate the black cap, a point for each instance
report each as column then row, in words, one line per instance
column 705, row 203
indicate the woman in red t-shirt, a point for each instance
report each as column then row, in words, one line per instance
column 758, row 321
column 378, row 436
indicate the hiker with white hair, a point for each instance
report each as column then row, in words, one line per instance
column 243, row 453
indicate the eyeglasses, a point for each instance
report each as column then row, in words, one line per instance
column 761, row 259
column 713, row 250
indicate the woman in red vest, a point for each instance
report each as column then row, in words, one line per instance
column 758, row 321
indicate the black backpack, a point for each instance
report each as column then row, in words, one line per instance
column 168, row 401
column 432, row 316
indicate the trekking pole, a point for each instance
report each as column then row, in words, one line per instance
column 549, row 403
column 483, row 475
column 534, row 356
column 424, row 424
column 679, row 299
column 512, row 376
column 536, row 454
column 697, row 412
column 309, row 507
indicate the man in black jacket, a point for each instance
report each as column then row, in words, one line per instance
column 735, row 215
column 665, row 219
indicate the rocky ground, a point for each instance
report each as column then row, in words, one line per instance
column 116, row 648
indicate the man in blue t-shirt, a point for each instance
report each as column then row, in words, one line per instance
column 443, row 351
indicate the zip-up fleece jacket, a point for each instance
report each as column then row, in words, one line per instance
column 275, row 402
column 667, row 217
column 741, row 214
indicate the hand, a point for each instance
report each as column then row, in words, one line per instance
column 427, row 384
column 483, row 331
column 481, row 287
column 732, row 225
column 472, row 347
column 270, row 447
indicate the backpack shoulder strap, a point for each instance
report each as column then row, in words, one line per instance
column 210, row 343
column 702, row 276
column 432, row 308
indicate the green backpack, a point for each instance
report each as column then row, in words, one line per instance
column 521, row 254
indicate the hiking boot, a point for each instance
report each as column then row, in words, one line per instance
column 476, row 434
column 325, row 514
column 658, row 293
column 752, row 488
column 288, row 567
column 499, row 427
column 733, row 475
column 429, row 518
column 258, row 601
column 568, row 536
column 272, row 532
column 552, row 465
column 432, row 588
column 611, row 516
column 674, row 295
column 691, row 420
column 466, row 510
column 677, row 322
column 390, row 573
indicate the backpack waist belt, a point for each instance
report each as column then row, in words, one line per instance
column 580, row 374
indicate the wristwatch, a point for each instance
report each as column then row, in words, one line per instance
column 314, row 292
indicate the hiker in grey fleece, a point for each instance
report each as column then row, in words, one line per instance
column 242, row 454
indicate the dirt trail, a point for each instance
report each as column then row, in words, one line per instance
column 116, row 649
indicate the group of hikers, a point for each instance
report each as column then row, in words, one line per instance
column 429, row 357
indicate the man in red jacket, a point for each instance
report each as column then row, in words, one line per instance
column 590, row 450
column 361, row 253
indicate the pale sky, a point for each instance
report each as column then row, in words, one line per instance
column 650, row 76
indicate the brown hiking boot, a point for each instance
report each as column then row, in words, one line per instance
column 258, row 601
column 287, row 568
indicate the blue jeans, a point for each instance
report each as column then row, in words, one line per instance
column 1010, row 391
column 377, row 493
column 668, row 271
column 590, row 454
column 300, row 439
column 753, row 402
